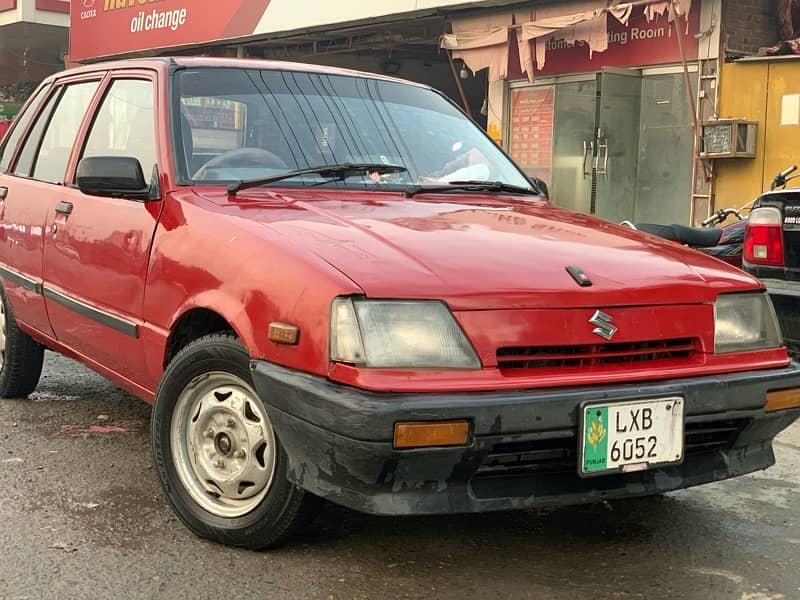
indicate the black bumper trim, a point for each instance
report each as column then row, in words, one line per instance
column 370, row 416
column 338, row 441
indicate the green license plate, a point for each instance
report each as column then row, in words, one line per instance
column 630, row 436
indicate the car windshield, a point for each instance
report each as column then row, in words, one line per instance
column 243, row 124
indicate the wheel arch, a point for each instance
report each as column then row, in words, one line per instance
column 204, row 316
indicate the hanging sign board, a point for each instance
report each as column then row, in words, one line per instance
column 104, row 28
column 639, row 43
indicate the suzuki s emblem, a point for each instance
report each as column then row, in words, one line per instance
column 603, row 325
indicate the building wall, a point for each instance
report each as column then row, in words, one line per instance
column 750, row 25
column 756, row 91
column 739, row 180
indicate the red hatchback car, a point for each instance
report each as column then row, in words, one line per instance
column 333, row 284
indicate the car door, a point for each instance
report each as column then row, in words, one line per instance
column 97, row 248
column 30, row 180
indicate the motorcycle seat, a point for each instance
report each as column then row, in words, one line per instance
column 699, row 237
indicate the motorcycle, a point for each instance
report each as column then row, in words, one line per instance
column 725, row 243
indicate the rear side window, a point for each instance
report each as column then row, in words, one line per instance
column 125, row 124
column 24, row 165
column 20, row 125
column 59, row 137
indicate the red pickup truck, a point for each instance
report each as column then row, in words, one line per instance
column 333, row 284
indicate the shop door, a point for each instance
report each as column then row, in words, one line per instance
column 616, row 144
column 666, row 144
column 573, row 145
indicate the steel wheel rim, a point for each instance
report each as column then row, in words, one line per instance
column 2, row 333
column 223, row 445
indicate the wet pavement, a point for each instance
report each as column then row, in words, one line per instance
column 81, row 516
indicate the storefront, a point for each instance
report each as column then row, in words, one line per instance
column 33, row 41
column 612, row 132
column 601, row 103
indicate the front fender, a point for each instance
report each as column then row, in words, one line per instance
column 205, row 258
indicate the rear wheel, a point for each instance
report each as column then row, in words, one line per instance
column 21, row 357
column 221, row 465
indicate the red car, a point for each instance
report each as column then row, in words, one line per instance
column 333, row 284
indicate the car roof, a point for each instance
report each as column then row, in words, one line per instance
column 189, row 62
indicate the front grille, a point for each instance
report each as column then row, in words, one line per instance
column 714, row 435
column 534, row 456
column 561, row 454
column 594, row 355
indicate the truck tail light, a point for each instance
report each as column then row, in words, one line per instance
column 763, row 238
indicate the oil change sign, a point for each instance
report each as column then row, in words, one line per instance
column 103, row 28
column 108, row 27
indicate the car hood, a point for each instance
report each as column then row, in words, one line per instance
column 485, row 252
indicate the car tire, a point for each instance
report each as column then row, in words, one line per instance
column 21, row 357
column 221, row 465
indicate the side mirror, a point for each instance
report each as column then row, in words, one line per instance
column 113, row 176
column 540, row 185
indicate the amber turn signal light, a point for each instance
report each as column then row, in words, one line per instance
column 427, row 434
column 783, row 400
column 283, row 333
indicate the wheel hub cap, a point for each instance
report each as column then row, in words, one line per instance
column 223, row 444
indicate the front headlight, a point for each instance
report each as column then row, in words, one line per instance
column 394, row 334
column 745, row 322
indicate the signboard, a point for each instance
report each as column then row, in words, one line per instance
column 101, row 28
column 9, row 109
column 531, row 141
column 639, row 43
column 61, row 6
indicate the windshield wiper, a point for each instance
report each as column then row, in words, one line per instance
column 478, row 186
column 337, row 171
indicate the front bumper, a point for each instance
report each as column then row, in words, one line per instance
column 524, row 449
column 786, row 298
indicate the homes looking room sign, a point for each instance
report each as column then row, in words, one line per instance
column 640, row 42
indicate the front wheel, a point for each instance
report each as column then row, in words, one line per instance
column 221, row 465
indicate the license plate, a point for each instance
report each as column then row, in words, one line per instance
column 630, row 436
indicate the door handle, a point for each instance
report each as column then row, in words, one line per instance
column 3, row 193
column 588, row 151
column 602, row 145
column 64, row 208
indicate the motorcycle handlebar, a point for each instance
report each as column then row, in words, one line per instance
column 720, row 216
column 788, row 171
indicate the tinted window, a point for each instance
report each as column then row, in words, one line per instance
column 53, row 155
column 24, row 165
column 241, row 124
column 125, row 125
column 20, row 125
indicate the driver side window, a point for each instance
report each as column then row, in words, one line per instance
column 125, row 124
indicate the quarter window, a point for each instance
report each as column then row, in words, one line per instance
column 125, row 124
column 24, row 166
column 59, row 138
column 20, row 125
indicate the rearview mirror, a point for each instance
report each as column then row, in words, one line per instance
column 113, row 176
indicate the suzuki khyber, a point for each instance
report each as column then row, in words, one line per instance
column 334, row 285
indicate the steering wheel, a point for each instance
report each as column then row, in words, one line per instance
column 241, row 158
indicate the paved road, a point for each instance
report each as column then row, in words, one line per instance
column 81, row 517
